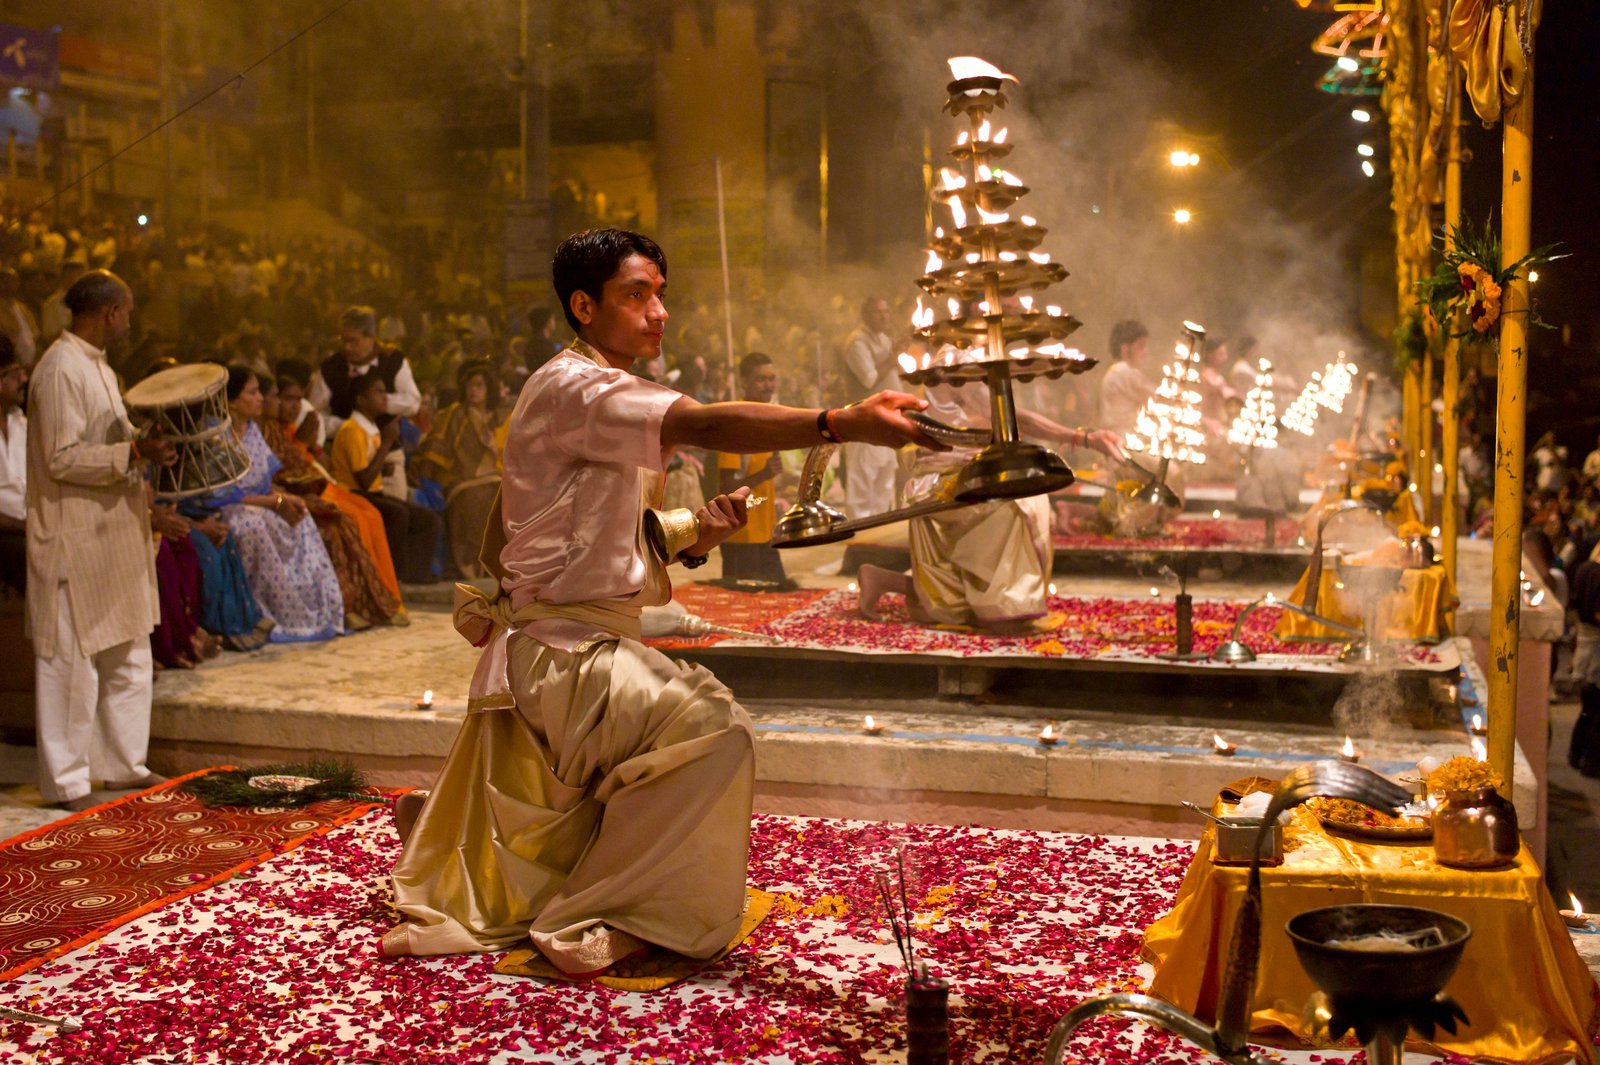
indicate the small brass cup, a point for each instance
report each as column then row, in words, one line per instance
column 670, row 531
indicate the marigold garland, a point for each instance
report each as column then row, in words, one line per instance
column 1470, row 282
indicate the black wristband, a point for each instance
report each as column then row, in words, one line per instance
column 693, row 561
column 824, row 430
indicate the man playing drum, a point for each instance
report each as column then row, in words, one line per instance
column 91, row 573
column 598, row 795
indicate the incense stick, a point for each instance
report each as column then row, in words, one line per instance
column 911, row 946
column 882, row 880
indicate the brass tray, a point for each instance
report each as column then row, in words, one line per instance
column 1377, row 833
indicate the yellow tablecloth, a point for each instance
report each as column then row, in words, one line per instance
column 1423, row 608
column 1527, row 994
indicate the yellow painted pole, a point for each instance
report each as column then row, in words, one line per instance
column 1505, row 582
column 1450, row 429
column 1422, row 468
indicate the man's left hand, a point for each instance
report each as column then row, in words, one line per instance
column 719, row 519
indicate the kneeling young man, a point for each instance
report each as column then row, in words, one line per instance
column 598, row 796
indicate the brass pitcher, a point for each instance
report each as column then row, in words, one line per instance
column 1475, row 829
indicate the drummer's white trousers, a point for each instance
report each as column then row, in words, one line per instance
column 90, row 709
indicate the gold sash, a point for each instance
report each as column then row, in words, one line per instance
column 478, row 617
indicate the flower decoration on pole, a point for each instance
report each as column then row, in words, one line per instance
column 1256, row 427
column 1168, row 425
column 1470, row 282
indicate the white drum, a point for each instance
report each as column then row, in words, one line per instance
column 189, row 406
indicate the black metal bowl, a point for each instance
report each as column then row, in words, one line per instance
column 1378, row 977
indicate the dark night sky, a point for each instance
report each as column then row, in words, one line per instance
column 1253, row 73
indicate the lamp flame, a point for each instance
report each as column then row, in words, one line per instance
column 1222, row 746
column 1479, row 751
column 1348, row 751
column 1577, row 907
column 870, row 724
column 1027, row 303
column 907, row 363
column 990, row 218
column 1000, row 138
column 1040, row 257
column 1047, row 735
column 958, row 213
column 983, row 131
column 934, row 262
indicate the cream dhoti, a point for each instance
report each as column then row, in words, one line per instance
column 602, row 789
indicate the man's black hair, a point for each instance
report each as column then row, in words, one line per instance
column 95, row 291
column 753, row 362
column 1124, row 333
column 585, row 261
column 295, row 370
column 364, row 383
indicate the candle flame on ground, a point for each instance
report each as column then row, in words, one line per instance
column 1220, row 743
column 1047, row 733
column 1577, row 907
column 869, row 723
column 1479, row 751
column 1349, row 748
column 1477, row 722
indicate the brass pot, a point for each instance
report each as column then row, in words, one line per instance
column 1475, row 829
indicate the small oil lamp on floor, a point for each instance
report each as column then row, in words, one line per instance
column 426, row 702
column 1575, row 917
column 871, row 726
column 1222, row 747
column 1478, row 728
column 1047, row 735
column 1348, row 752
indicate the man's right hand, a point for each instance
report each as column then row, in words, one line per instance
column 165, row 520
column 881, row 419
column 157, row 449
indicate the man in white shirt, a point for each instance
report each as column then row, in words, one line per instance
column 1125, row 387
column 13, row 470
column 870, row 367
column 91, row 571
column 360, row 350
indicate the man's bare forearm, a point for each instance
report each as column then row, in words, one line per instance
column 739, row 428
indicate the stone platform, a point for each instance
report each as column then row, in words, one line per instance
column 1134, row 744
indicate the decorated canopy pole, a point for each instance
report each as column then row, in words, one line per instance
column 1516, row 192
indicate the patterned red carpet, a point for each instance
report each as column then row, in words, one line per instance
column 70, row 882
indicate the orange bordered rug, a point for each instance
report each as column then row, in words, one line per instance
column 72, row 881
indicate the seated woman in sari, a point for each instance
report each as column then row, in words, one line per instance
column 177, row 641
column 282, row 552
column 459, row 453
column 228, row 607
column 351, row 528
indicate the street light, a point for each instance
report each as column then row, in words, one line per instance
column 1533, row 275
column 1182, row 216
column 1368, row 169
column 1364, row 150
column 1182, row 158
column 1361, row 115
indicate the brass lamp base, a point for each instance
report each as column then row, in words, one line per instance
column 1007, row 470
